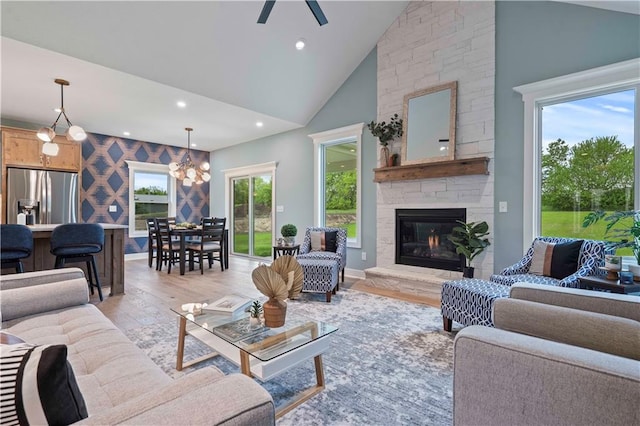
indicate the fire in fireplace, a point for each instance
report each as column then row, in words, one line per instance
column 421, row 238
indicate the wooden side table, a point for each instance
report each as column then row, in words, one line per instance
column 290, row 250
column 602, row 283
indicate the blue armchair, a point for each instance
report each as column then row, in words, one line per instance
column 341, row 252
column 591, row 257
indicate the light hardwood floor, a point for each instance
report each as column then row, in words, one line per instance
column 149, row 293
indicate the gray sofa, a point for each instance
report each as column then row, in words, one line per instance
column 119, row 383
column 558, row 356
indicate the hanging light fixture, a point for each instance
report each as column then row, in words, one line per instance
column 188, row 172
column 47, row 134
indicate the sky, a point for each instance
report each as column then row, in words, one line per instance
column 145, row 180
column 604, row 115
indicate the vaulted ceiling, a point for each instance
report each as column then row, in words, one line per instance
column 130, row 62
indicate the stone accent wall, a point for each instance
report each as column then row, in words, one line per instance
column 432, row 43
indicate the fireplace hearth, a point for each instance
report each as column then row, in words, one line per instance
column 421, row 238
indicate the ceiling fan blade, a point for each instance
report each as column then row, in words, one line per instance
column 317, row 12
column 266, row 10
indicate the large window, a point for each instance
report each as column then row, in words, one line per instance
column 151, row 194
column 337, row 169
column 581, row 133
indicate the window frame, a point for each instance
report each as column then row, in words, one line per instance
column 610, row 78
column 137, row 166
column 352, row 133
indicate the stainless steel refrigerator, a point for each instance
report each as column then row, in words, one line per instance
column 54, row 195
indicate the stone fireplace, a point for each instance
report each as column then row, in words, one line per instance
column 422, row 238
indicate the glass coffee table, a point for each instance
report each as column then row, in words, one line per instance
column 259, row 351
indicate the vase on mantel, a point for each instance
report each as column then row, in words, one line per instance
column 384, row 156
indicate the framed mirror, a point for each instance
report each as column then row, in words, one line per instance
column 429, row 125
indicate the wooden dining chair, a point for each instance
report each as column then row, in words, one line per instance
column 210, row 244
column 152, row 244
column 169, row 250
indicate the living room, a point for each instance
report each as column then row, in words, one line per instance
column 497, row 46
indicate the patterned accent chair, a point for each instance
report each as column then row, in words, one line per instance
column 341, row 252
column 590, row 258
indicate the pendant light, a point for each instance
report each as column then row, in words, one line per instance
column 48, row 134
column 188, row 172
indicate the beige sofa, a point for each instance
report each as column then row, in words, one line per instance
column 119, row 383
column 558, row 356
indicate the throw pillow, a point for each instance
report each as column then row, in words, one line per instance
column 38, row 386
column 324, row 240
column 556, row 260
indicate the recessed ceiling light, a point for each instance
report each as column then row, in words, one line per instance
column 259, row 123
column 126, row 133
column 181, row 104
column 300, row 44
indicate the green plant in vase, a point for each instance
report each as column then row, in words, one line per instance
column 255, row 310
column 289, row 232
column 386, row 132
column 469, row 242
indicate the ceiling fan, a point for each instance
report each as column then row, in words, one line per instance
column 313, row 5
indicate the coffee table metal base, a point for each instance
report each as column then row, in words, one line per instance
column 244, row 361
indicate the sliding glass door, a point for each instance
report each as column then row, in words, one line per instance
column 252, row 202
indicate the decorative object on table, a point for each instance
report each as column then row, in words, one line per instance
column 469, row 242
column 624, row 228
column 271, row 282
column 289, row 232
column 232, row 305
column 237, row 330
column 48, row 134
column 386, row 132
column 186, row 225
column 255, row 310
column 186, row 170
column 626, row 277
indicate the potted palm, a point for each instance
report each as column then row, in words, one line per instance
column 386, row 132
column 469, row 242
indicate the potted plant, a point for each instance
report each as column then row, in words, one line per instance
column 469, row 242
column 624, row 228
column 254, row 312
column 282, row 280
column 289, row 232
column 386, row 132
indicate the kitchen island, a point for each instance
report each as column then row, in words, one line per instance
column 110, row 261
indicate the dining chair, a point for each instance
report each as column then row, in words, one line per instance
column 79, row 242
column 210, row 244
column 152, row 244
column 169, row 249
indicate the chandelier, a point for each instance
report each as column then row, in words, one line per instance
column 47, row 134
column 188, row 172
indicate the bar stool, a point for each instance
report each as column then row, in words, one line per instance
column 78, row 242
column 16, row 243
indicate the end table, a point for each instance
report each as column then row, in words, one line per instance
column 290, row 250
column 602, row 283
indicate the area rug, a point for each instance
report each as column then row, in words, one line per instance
column 389, row 363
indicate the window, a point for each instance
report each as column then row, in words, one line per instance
column 581, row 133
column 337, row 180
column 152, row 193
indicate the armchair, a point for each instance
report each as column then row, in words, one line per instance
column 341, row 252
column 590, row 258
column 557, row 356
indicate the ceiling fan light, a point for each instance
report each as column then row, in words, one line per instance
column 76, row 133
column 46, row 134
column 50, row 148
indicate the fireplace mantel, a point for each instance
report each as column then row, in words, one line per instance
column 466, row 166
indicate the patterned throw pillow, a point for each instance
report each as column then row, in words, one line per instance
column 324, row 241
column 38, row 386
column 556, row 260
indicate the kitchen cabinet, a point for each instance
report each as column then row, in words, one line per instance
column 22, row 148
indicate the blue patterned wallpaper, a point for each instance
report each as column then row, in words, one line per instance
column 105, row 182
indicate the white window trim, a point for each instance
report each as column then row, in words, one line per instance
column 137, row 166
column 331, row 137
column 606, row 78
column 262, row 168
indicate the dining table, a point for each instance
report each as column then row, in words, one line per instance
column 183, row 233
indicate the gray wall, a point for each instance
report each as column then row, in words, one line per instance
column 536, row 41
column 353, row 102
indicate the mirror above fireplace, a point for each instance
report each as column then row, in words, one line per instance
column 429, row 125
